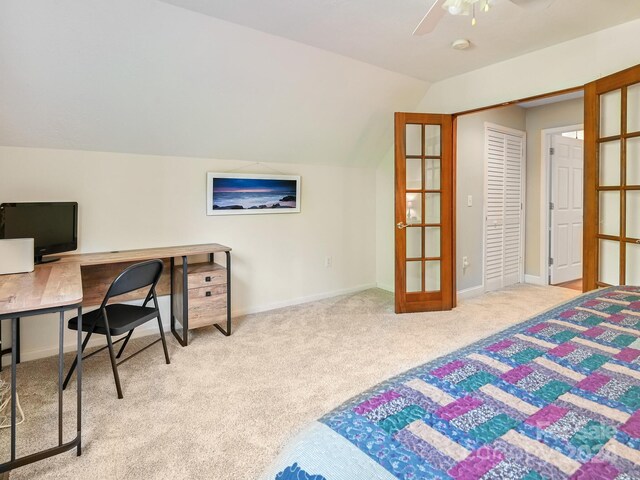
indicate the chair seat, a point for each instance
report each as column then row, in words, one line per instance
column 122, row 318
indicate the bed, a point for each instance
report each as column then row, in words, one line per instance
column 555, row 397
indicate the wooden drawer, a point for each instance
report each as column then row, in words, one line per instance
column 205, row 275
column 207, row 305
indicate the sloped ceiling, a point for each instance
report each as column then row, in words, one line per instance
column 379, row 31
column 143, row 76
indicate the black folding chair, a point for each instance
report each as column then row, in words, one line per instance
column 117, row 319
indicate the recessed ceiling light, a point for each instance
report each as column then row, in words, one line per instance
column 461, row 44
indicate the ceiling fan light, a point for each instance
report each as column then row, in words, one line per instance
column 455, row 10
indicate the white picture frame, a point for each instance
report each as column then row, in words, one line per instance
column 252, row 194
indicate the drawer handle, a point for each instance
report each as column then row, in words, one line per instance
column 207, row 279
column 207, row 294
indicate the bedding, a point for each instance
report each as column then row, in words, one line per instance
column 555, row 397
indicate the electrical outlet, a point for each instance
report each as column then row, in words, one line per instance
column 465, row 262
column 469, row 200
column 328, row 261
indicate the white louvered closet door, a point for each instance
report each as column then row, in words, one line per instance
column 504, row 213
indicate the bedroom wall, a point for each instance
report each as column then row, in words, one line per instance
column 566, row 65
column 135, row 201
column 559, row 114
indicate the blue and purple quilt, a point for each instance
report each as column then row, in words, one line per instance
column 555, row 397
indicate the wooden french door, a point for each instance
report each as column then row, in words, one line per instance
column 612, row 181
column 424, row 212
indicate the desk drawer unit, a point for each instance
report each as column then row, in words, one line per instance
column 207, row 305
column 200, row 298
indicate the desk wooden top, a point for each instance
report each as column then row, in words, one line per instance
column 141, row 255
column 60, row 284
column 48, row 286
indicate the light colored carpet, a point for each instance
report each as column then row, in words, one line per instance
column 225, row 406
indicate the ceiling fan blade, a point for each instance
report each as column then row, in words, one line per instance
column 431, row 19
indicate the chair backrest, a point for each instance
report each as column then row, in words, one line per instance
column 138, row 275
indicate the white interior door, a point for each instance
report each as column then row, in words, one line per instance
column 567, row 164
column 504, row 214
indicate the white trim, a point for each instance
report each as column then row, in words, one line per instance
column 523, row 225
column 545, row 194
column 534, row 280
column 299, row 300
column 472, row 292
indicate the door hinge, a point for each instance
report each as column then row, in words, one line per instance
column 551, row 206
column 550, row 261
column 552, row 151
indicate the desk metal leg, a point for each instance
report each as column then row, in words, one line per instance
column 227, row 332
column 184, row 339
column 60, row 373
column 79, row 384
column 16, row 344
column 61, row 447
column 14, row 359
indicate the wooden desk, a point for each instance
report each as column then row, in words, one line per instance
column 83, row 279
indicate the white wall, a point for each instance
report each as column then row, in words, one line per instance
column 135, row 201
column 566, row 65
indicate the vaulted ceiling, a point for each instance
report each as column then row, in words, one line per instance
column 257, row 80
column 379, row 31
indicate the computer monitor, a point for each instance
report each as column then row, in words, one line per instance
column 52, row 225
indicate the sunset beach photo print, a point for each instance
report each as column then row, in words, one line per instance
column 249, row 194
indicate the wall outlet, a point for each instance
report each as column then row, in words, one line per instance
column 469, row 200
column 465, row 263
column 328, row 261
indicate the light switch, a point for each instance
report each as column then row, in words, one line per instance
column 469, row 201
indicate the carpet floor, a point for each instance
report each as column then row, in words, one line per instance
column 226, row 406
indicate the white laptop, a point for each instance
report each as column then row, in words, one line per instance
column 16, row 255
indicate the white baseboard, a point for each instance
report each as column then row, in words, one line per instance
column 534, row 280
column 388, row 288
column 472, row 292
column 297, row 301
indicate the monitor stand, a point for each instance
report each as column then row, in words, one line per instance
column 39, row 260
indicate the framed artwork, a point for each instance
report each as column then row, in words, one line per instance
column 242, row 194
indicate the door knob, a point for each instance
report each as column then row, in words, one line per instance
column 401, row 225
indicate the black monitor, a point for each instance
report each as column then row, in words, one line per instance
column 52, row 225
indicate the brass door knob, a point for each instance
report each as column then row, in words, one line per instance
column 401, row 225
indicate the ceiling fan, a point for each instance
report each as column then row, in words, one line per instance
column 456, row 7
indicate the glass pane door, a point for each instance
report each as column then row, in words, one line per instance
column 423, row 212
column 613, row 137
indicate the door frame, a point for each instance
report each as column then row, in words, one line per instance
column 545, row 197
column 592, row 236
column 407, row 302
column 523, row 195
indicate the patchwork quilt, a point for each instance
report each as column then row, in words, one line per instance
column 555, row 397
